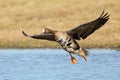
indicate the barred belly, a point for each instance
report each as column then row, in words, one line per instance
column 68, row 44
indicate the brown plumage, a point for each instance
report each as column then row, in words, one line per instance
column 47, row 36
column 84, row 30
column 67, row 39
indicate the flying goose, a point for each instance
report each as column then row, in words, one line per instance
column 67, row 39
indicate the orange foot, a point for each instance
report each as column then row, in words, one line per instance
column 73, row 60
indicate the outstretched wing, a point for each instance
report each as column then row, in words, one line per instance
column 84, row 30
column 41, row 36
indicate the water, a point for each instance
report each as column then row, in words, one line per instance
column 54, row 64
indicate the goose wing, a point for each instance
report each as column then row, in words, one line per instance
column 45, row 36
column 84, row 30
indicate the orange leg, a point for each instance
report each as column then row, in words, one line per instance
column 83, row 54
column 73, row 60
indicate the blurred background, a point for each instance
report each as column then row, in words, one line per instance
column 32, row 15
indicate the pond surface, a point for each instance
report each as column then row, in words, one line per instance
column 55, row 64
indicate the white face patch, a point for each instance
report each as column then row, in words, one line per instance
column 43, row 30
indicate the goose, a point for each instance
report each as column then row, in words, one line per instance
column 68, row 39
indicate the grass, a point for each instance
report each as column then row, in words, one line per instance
column 32, row 15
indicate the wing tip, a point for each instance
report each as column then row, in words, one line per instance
column 24, row 34
column 104, row 15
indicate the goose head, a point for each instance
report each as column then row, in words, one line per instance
column 47, row 30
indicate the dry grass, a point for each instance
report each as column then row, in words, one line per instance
column 32, row 15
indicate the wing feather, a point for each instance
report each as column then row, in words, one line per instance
column 41, row 36
column 84, row 30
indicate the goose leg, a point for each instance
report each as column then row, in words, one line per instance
column 83, row 54
column 73, row 60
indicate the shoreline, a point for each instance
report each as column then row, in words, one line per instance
column 61, row 48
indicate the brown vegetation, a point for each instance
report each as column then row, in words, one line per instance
column 32, row 15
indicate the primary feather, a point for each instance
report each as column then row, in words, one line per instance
column 47, row 36
column 84, row 30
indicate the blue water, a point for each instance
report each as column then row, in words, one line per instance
column 55, row 64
